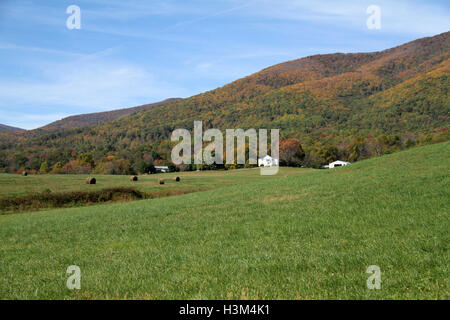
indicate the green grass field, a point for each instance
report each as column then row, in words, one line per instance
column 19, row 188
column 309, row 235
column 13, row 185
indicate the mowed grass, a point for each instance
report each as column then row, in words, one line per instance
column 38, row 192
column 306, row 236
column 14, row 185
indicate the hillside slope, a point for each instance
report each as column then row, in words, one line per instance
column 90, row 119
column 348, row 106
column 310, row 236
column 4, row 127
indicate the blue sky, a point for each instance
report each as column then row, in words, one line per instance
column 129, row 53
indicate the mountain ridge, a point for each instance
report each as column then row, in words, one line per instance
column 4, row 127
column 98, row 118
column 346, row 105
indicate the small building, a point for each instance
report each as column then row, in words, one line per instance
column 267, row 161
column 162, row 169
column 337, row 163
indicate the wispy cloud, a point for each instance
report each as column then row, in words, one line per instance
column 211, row 15
column 403, row 17
column 14, row 47
column 151, row 35
column 89, row 84
column 234, row 65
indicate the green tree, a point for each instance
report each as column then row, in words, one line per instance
column 45, row 168
column 58, row 168
column 328, row 153
column 86, row 159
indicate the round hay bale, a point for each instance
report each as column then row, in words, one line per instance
column 161, row 181
column 24, row 173
column 134, row 178
column 177, row 179
column 91, row 180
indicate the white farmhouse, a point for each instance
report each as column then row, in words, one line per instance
column 337, row 163
column 267, row 161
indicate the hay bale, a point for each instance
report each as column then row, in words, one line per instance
column 161, row 181
column 177, row 179
column 24, row 173
column 91, row 180
column 134, row 178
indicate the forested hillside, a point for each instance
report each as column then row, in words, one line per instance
column 347, row 106
column 8, row 128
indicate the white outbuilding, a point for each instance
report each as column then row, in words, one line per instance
column 337, row 163
column 162, row 169
column 267, row 161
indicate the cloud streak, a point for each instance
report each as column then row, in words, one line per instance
column 89, row 84
column 401, row 17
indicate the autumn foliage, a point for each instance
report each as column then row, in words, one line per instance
column 346, row 106
column 291, row 152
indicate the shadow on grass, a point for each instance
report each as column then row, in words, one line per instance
column 48, row 199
